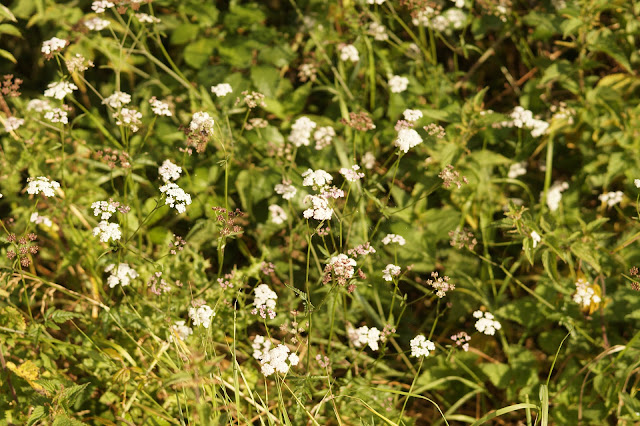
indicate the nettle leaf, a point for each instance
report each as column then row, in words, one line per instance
column 63, row 420
column 59, row 316
column 197, row 54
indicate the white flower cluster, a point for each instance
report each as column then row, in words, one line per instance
column 390, row 271
column 128, row 117
column 523, row 118
column 486, row 323
column 378, row 31
column 40, row 220
column 407, row 139
column 611, row 198
column 179, row 330
column 323, row 136
column 57, row 115
column 348, row 52
column 272, row 360
column 412, row 115
column 536, row 238
column 317, row 179
column 38, row 105
column 352, row 174
column 452, row 18
column 393, row 238
column 264, row 301
column 169, row 171
column 585, row 295
column 636, row 182
column 13, row 123
column 96, row 24
column 554, row 195
column 42, row 184
column 301, row 131
column 117, row 99
column 104, row 209
column 364, row 336
column 101, row 5
column 53, row 45
column 78, row 63
column 201, row 315
column 517, row 169
column 420, row 346
column 201, row 122
column 222, row 89
column 343, row 266
column 106, row 231
column 176, row 197
column 278, row 215
column 60, row 89
column 398, row 84
column 375, row 1
column 320, row 209
column 120, row 274
column 147, row 19
column 159, row 107
column 285, row 189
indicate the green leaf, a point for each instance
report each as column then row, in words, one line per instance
column 10, row 29
column 265, row 78
column 37, row 414
column 5, row 13
column 59, row 316
column 184, row 33
column 7, row 55
column 63, row 420
column 197, row 54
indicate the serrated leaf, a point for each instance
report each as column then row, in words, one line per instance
column 60, row 316
column 37, row 414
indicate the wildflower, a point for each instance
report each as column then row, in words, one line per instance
column 440, row 284
column 554, row 195
column 201, row 122
column 107, row 231
column 42, row 184
column 78, row 63
column 277, row 360
column 398, row 84
column 455, row 17
column 180, row 331
column 117, row 99
column 486, row 323
column 316, row 179
column 159, row 107
column 323, row 136
column 301, row 131
column 390, row 271
column 462, row 339
column 375, row 1
column 341, row 268
column 462, row 238
column 176, row 197
column 96, row 24
column 144, row 18
column 307, row 72
column 352, row 174
column 13, row 123
column 101, row 6
column 320, row 209
column 450, row 177
column 359, row 121
column 362, row 250
column 412, row 115
column 636, row 182
column 285, row 189
column 169, row 171
column 157, row 285
column 420, row 346
column 523, row 118
column 393, row 238
column 378, row 31
column 517, row 169
column 278, row 215
column 222, row 89
column 611, row 198
column 201, row 315
column 57, row 115
column 587, row 295
column 38, row 105
column 40, row 220
column 253, row 99
column 104, row 209
column 1, row 195
column 120, row 274
column 407, row 139
column 264, row 301
column 368, row 160
column 348, row 52
column 128, row 117
column 536, row 238
column 436, row 130
column 53, row 45
column 367, row 336
column 60, row 89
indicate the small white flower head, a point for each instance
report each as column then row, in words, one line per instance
column 169, row 171
column 323, row 136
column 201, row 315
column 117, row 99
column 38, row 105
column 104, row 209
column 40, row 220
column 285, row 189
column 78, row 63
column 57, row 115
column 278, row 215
column 13, row 123
column 517, row 169
column 264, row 301
column 128, row 117
column 301, row 131
column 636, row 182
column 393, row 238
column 176, row 197
column 201, row 122
column 486, row 323
column 352, row 174
column 317, row 179
column 398, row 84
column 407, row 139
column 275, row 360
column 1, row 195
column 222, row 89
column 462, row 339
column 348, row 52
column 101, row 5
column 378, row 31
column 390, row 271
column 96, row 24
column 523, row 118
column 375, row 1
column 420, row 346
column 456, row 18
column 611, row 198
column 458, row 3
column 159, row 107
column 261, row 347
column 342, row 268
column 554, row 195
column 107, row 231
column 60, row 89
column 144, row 18
column 585, row 294
column 368, row 160
column 536, row 238
column 412, row 115
column 179, row 331
column 121, row 274
column 42, row 184
column 320, row 209
column 366, row 336
column 53, row 45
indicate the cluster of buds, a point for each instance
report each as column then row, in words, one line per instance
column 226, row 281
column 227, row 220
column 176, row 245
column 157, row 285
column 359, row 121
column 111, row 156
column 440, row 284
column 450, row 177
column 25, row 246
column 462, row 238
column 11, row 86
column 251, row 99
column 634, row 272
